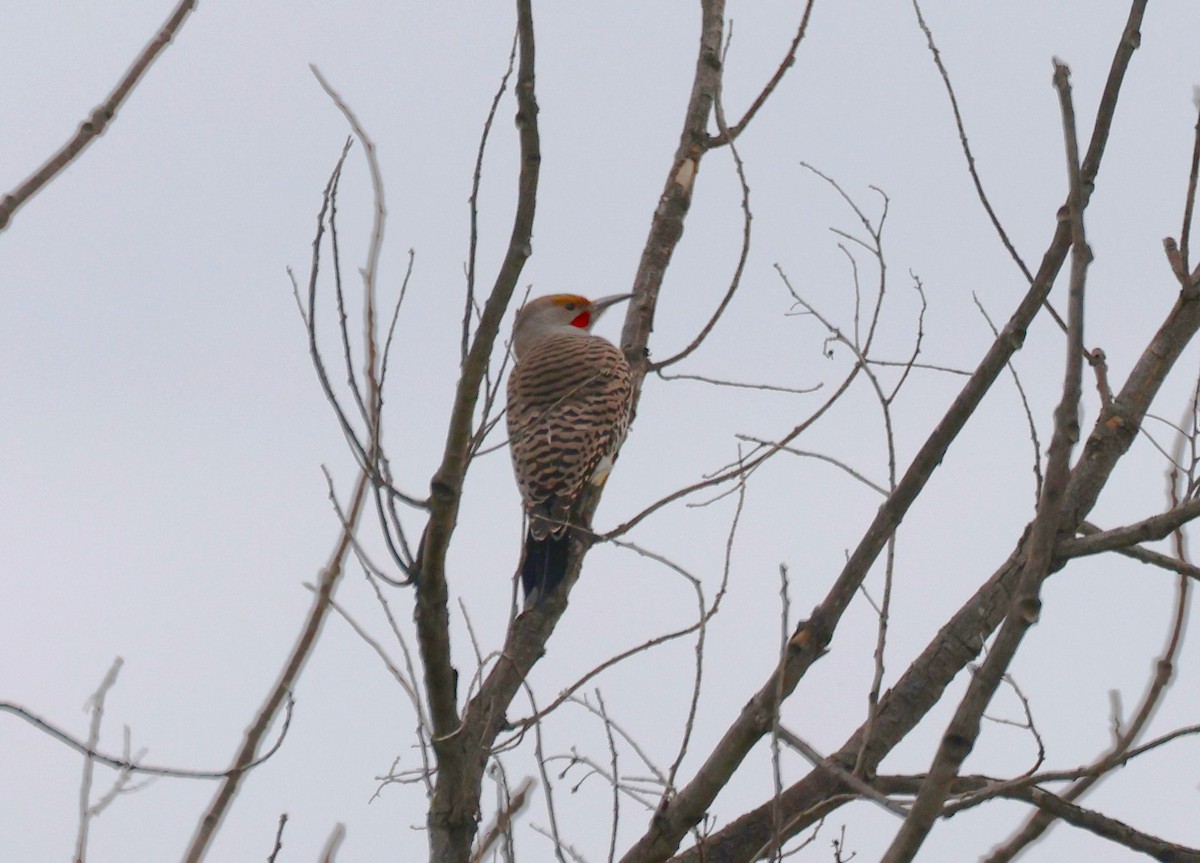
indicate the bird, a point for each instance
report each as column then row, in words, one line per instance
column 570, row 401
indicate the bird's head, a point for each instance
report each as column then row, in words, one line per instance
column 556, row 313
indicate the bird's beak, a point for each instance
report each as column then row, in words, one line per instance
column 599, row 306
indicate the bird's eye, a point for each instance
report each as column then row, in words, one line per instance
column 570, row 307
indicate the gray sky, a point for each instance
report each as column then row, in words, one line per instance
column 163, row 432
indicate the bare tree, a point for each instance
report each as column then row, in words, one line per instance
column 471, row 723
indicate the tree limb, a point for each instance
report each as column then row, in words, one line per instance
column 93, row 127
column 461, row 747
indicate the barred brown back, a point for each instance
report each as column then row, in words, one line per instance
column 568, row 410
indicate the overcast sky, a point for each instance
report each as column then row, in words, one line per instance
column 162, row 433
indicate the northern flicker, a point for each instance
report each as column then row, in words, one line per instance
column 569, row 404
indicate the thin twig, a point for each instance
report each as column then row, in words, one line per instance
column 473, row 201
column 856, row 783
column 616, row 795
column 740, row 471
column 423, row 727
column 841, row 465
column 125, row 764
column 566, row 693
column 658, row 777
column 339, row 291
column 728, row 136
column 93, row 127
column 701, row 636
column 371, row 642
column 283, row 817
column 735, row 384
column 918, row 340
column 1190, row 204
column 502, row 825
column 966, row 147
column 1033, row 433
column 548, row 789
column 932, row 367
column 309, row 313
column 96, row 706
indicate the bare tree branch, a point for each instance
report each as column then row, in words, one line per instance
column 1107, row 828
column 1148, row 529
column 963, row 729
column 132, row 766
column 96, row 705
column 333, row 843
column 278, row 838
column 1189, row 206
column 816, row 759
column 738, row 385
column 966, row 147
column 473, row 200
column 728, row 136
column 1124, row 739
column 452, row 813
column 504, row 819
column 616, row 796
column 93, row 127
column 210, row 822
column 1033, row 433
column 348, row 517
column 960, row 640
column 747, row 221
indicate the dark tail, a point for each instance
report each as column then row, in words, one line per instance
column 544, row 565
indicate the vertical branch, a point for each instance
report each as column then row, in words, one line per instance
column 1041, row 821
column 539, row 754
column 283, row 817
column 446, row 486
column 964, row 727
column 1177, row 252
column 785, row 628
column 705, row 615
column 747, row 220
column 339, row 294
column 459, row 764
column 96, row 705
column 371, row 365
column 473, row 202
column 616, row 782
column 1190, row 204
column 666, row 228
column 328, row 206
